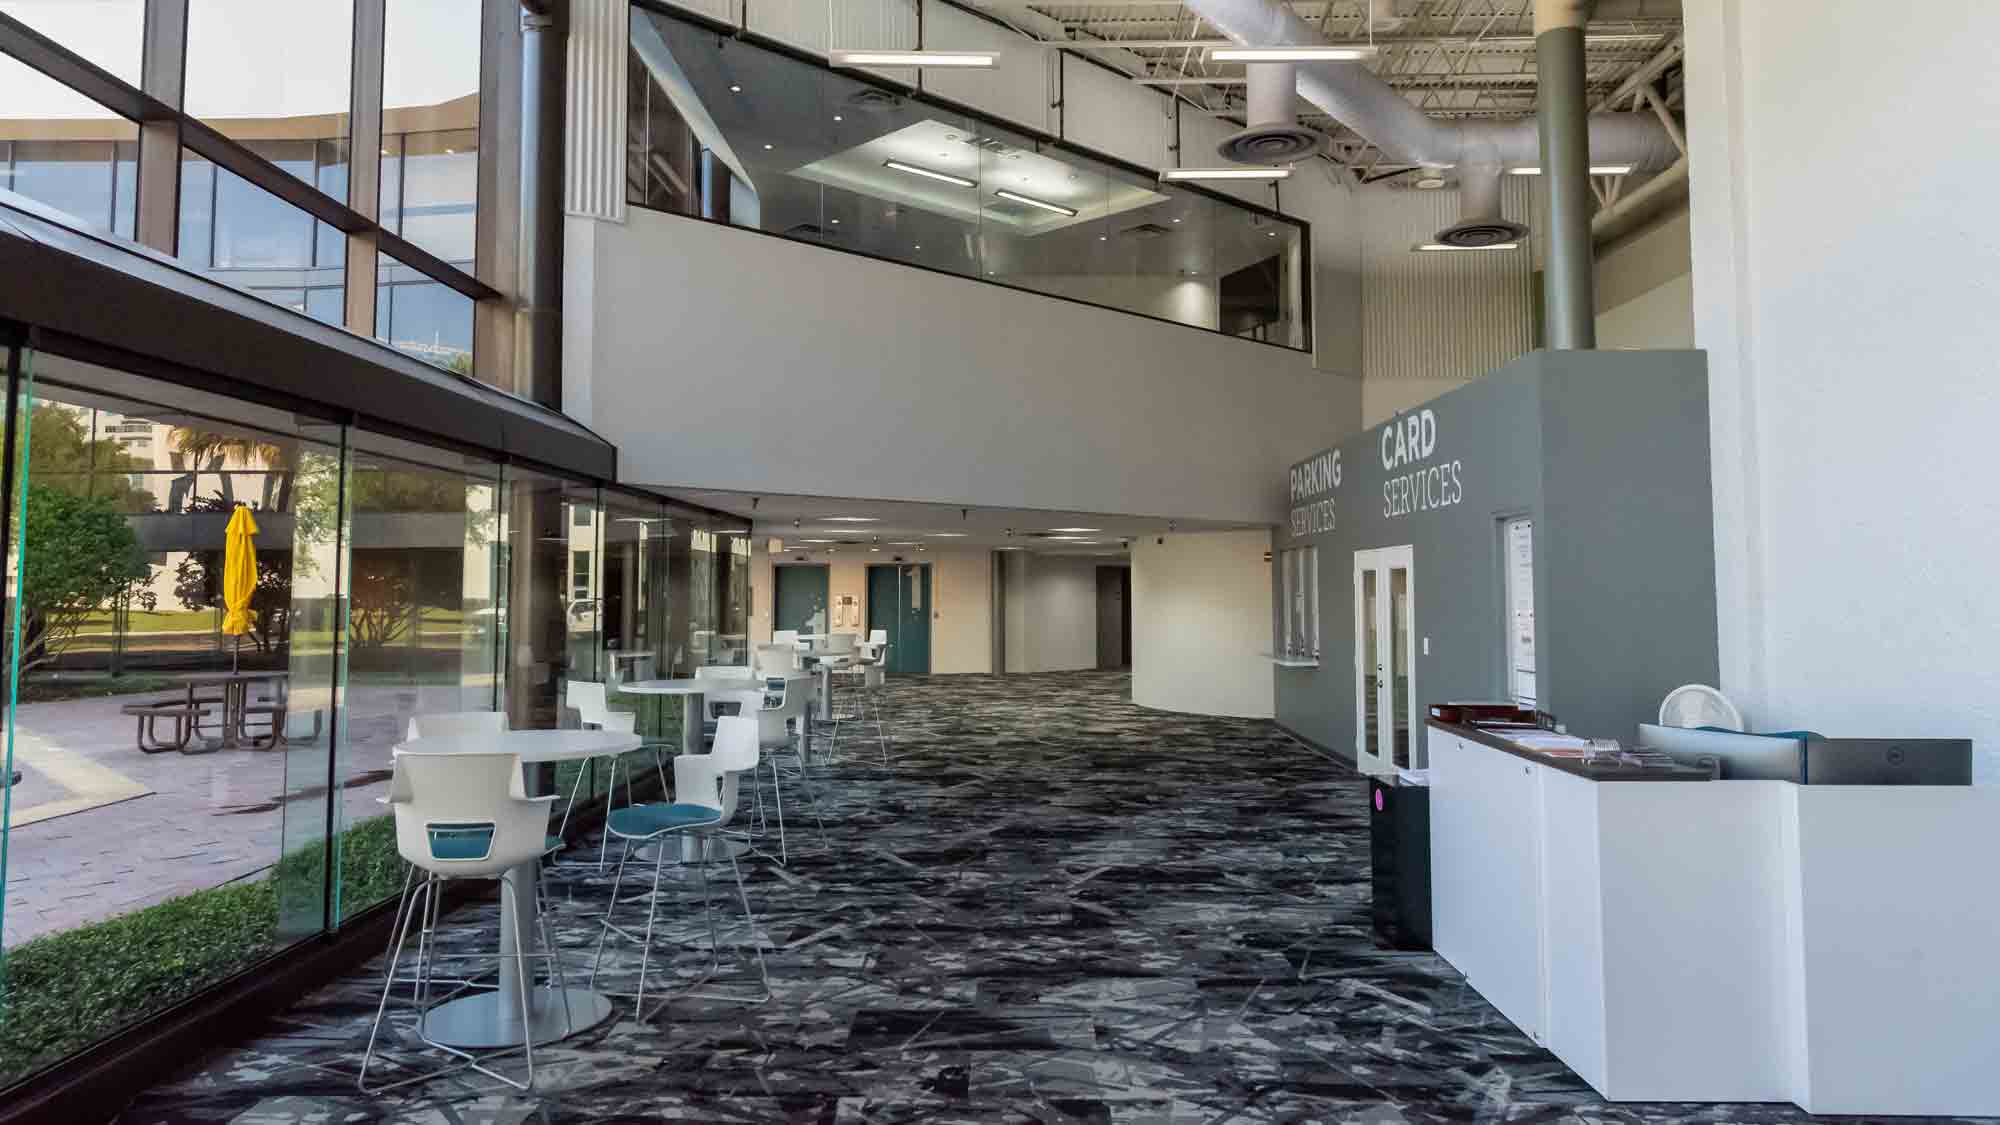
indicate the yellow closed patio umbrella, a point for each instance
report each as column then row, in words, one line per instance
column 239, row 575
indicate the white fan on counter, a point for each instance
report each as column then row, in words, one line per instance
column 1698, row 705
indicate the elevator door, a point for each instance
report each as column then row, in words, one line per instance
column 1385, row 707
column 899, row 604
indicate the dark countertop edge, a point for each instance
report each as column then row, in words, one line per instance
column 1571, row 766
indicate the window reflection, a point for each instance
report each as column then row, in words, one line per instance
column 109, row 33
column 241, row 235
column 65, row 151
column 430, row 125
column 271, row 72
column 755, row 138
column 423, row 318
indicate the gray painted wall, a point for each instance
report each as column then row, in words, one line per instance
column 720, row 358
column 1608, row 453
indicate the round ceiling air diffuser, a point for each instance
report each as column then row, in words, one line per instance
column 1473, row 234
column 1276, row 143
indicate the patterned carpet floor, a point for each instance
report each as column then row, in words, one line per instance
column 1050, row 905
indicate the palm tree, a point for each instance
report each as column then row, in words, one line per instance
column 279, row 462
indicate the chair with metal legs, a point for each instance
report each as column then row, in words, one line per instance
column 461, row 816
column 588, row 700
column 782, row 720
column 688, row 831
column 443, row 724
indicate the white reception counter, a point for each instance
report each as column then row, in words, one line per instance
column 1756, row 941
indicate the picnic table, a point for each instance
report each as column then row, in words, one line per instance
column 188, row 711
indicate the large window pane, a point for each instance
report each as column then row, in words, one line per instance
column 430, row 123
column 439, row 180
column 264, row 71
column 423, row 613
column 200, row 833
column 63, row 150
column 109, row 33
column 423, row 318
column 241, row 235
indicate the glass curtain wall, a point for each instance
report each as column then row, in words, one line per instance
column 277, row 80
column 214, row 795
column 63, row 151
column 721, row 129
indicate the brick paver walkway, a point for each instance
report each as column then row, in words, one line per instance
column 186, row 822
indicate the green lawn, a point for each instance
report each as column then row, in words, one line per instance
column 62, row 992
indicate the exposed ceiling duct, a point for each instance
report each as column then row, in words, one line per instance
column 1274, row 135
column 1384, row 118
column 1480, row 221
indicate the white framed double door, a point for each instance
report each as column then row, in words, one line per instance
column 1385, row 706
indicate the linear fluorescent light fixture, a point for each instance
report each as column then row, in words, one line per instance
column 1033, row 202
column 915, row 58
column 1243, row 173
column 1595, row 170
column 1328, row 52
column 942, row 177
column 1427, row 247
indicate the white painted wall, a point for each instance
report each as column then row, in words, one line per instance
column 1847, row 305
column 1201, row 614
column 1186, row 300
column 1433, row 322
column 1645, row 288
column 721, row 358
column 1057, row 614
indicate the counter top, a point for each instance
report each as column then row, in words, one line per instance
column 1589, row 770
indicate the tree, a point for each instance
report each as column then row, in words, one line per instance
column 217, row 449
column 78, row 555
column 63, row 457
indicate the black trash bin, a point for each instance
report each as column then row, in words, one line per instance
column 1399, row 841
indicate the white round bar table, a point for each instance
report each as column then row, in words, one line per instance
column 487, row 1021
column 693, row 693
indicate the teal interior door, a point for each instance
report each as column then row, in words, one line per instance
column 801, row 600
column 899, row 604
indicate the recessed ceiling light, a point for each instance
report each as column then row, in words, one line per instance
column 917, row 170
column 1073, row 529
column 1031, row 201
column 1294, row 53
column 905, row 543
column 767, row 148
column 1595, row 170
column 819, row 540
column 947, row 534
column 1242, row 172
column 918, row 246
column 850, row 519
column 837, row 117
column 914, row 58
column 735, row 89
column 1177, row 220
column 835, row 222
column 1427, row 247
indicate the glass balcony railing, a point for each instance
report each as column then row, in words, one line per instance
column 734, row 132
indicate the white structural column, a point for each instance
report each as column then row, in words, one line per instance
column 1850, row 337
column 1202, row 623
column 599, row 31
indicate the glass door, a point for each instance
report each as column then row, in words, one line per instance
column 1385, row 710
